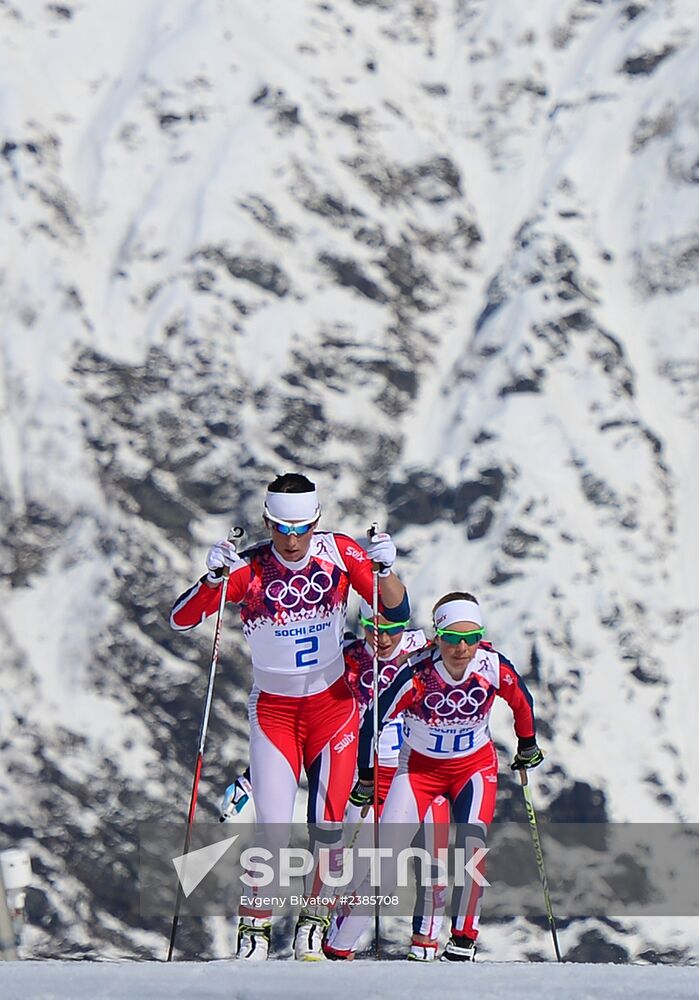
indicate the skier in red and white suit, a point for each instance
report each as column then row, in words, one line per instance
column 396, row 644
column 446, row 695
column 292, row 592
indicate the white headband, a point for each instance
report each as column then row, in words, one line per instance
column 292, row 506
column 457, row 611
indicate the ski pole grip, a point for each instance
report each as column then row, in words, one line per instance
column 372, row 532
column 234, row 535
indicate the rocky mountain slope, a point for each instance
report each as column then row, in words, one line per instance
column 442, row 256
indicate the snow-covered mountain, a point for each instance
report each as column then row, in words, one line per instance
column 440, row 255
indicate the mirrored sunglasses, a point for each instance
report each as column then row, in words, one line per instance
column 292, row 529
column 471, row 638
column 393, row 629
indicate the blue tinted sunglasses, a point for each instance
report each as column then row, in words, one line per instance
column 292, row 529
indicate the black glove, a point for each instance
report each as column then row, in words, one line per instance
column 363, row 793
column 528, row 755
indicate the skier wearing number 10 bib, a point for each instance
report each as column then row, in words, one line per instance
column 446, row 695
column 292, row 591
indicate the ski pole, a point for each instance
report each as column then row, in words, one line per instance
column 536, row 839
column 375, row 696
column 234, row 535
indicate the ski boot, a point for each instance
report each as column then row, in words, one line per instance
column 308, row 937
column 254, row 936
column 422, row 951
column 459, row 948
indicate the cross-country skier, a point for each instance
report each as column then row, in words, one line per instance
column 446, row 695
column 396, row 644
column 292, row 591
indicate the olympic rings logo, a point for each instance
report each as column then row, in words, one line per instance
column 386, row 675
column 458, row 702
column 299, row 589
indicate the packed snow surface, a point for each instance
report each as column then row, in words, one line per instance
column 369, row 980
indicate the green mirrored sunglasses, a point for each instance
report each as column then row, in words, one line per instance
column 454, row 638
column 392, row 629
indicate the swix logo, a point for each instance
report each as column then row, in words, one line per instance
column 346, row 741
column 356, row 553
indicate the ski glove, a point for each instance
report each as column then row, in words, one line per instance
column 221, row 555
column 382, row 550
column 235, row 798
column 526, row 758
column 363, row 795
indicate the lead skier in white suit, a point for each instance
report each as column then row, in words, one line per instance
column 292, row 591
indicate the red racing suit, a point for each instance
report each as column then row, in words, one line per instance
column 447, row 750
column 301, row 711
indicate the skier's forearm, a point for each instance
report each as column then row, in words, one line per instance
column 395, row 599
column 192, row 607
